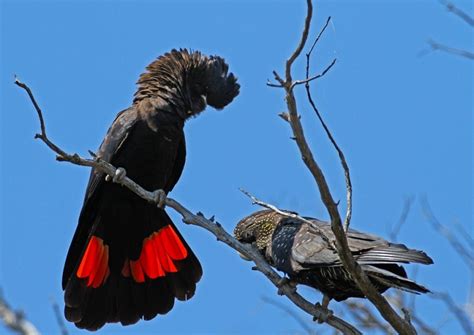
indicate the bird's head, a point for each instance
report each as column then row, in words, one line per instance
column 209, row 82
column 189, row 81
column 257, row 228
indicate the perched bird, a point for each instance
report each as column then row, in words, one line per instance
column 298, row 249
column 127, row 260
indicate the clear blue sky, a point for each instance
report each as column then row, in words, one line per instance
column 405, row 123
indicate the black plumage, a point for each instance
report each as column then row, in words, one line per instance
column 299, row 249
column 127, row 260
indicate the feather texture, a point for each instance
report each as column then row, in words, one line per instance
column 298, row 249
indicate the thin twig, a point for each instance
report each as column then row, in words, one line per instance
column 402, row 220
column 309, row 79
column 458, row 52
column 423, row 326
column 462, row 251
column 319, row 36
column 215, row 228
column 457, row 311
column 366, row 317
column 288, row 214
column 59, row 318
column 462, row 232
column 458, row 12
column 15, row 320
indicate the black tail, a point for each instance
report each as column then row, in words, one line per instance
column 130, row 263
column 392, row 275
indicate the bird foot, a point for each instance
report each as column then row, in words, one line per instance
column 120, row 173
column 286, row 281
column 325, row 311
column 324, row 314
column 160, row 198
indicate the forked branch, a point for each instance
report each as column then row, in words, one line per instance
column 387, row 312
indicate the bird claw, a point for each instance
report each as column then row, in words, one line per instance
column 160, row 198
column 324, row 315
column 120, row 173
column 286, row 281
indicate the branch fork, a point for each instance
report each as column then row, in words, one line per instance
column 401, row 325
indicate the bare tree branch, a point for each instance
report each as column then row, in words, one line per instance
column 59, row 318
column 309, row 79
column 462, row 232
column 458, row 12
column 15, row 320
column 299, row 48
column 321, row 32
column 457, row 311
column 423, row 326
column 435, row 46
column 366, row 318
column 458, row 52
column 402, row 326
column 199, row 220
column 402, row 220
column 465, row 254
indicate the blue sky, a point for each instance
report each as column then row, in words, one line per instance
column 404, row 122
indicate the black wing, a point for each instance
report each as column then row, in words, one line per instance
column 311, row 249
column 111, row 145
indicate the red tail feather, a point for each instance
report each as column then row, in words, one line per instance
column 157, row 255
column 95, row 263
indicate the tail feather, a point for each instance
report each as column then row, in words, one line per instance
column 121, row 275
column 393, row 253
column 94, row 313
column 158, row 290
column 127, row 312
column 391, row 279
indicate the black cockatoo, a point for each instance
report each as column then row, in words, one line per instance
column 127, row 260
column 298, row 249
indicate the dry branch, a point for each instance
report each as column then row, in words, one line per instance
column 402, row 220
column 59, row 318
column 455, row 242
column 457, row 311
column 199, row 220
column 435, row 46
column 466, row 255
column 366, row 319
column 15, row 320
column 388, row 313
column 458, row 12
